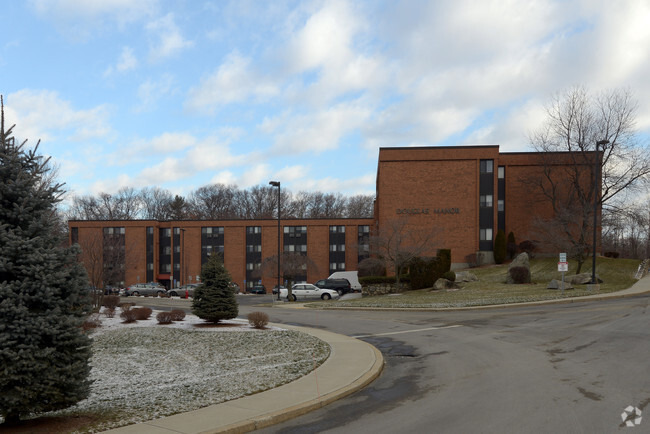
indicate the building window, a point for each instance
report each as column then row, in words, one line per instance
column 486, row 200
column 337, row 247
column 177, row 266
column 167, row 232
column 487, row 166
column 485, row 234
column 501, row 205
column 337, row 229
column 149, row 230
column 501, row 172
column 150, row 266
column 253, row 229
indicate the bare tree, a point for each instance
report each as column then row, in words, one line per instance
column 586, row 138
column 156, row 203
column 213, row 202
column 360, row 206
column 396, row 243
column 292, row 265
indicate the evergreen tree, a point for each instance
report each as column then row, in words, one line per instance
column 511, row 245
column 214, row 300
column 500, row 251
column 44, row 354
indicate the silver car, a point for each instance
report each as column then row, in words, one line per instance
column 307, row 291
column 184, row 290
column 146, row 289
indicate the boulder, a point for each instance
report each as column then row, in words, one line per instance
column 557, row 284
column 466, row 276
column 444, row 284
column 582, row 279
column 520, row 261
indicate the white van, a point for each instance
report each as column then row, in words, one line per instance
column 352, row 276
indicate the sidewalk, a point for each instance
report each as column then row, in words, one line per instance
column 352, row 365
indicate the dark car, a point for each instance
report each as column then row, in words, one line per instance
column 257, row 289
column 275, row 288
column 342, row 286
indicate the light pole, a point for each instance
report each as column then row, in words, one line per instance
column 596, row 200
column 277, row 184
column 183, row 259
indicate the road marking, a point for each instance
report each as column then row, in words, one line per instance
column 408, row 331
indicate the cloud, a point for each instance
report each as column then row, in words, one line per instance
column 167, row 37
column 126, row 62
column 151, row 91
column 44, row 115
column 234, row 81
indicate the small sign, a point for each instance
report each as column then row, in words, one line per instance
column 562, row 257
column 562, row 266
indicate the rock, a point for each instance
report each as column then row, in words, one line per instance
column 444, row 284
column 466, row 276
column 582, row 279
column 557, row 284
column 520, row 261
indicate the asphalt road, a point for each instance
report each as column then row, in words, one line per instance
column 569, row 368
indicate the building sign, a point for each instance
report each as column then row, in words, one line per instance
column 416, row 211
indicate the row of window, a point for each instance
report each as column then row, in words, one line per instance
column 487, row 166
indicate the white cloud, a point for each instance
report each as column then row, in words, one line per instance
column 233, row 81
column 44, row 115
column 126, row 62
column 151, row 91
column 168, row 40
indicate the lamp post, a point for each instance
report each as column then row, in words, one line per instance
column 596, row 200
column 277, row 184
column 183, row 260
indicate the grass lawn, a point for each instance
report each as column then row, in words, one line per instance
column 617, row 274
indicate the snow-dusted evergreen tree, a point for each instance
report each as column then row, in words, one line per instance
column 44, row 354
column 214, row 300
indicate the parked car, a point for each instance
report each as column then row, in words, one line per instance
column 275, row 289
column 342, row 286
column 183, row 290
column 146, row 289
column 257, row 289
column 234, row 287
column 307, row 291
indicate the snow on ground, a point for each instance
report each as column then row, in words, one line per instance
column 144, row 370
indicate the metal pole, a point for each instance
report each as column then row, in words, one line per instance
column 277, row 184
column 596, row 200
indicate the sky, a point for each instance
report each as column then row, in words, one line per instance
column 179, row 94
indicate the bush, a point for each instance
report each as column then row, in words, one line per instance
column 373, row 280
column 109, row 312
column 449, row 275
column 611, row 255
column 92, row 322
column 371, row 267
column 142, row 313
column 178, row 315
column 520, row 274
column 423, row 272
column 444, row 263
column 528, row 247
column 259, row 320
column 500, row 247
column 129, row 315
column 511, row 245
column 111, row 301
column 164, row 317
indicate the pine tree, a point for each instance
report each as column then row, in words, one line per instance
column 44, row 355
column 214, row 300
column 511, row 245
column 500, row 251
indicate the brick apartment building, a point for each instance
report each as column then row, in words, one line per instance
column 464, row 194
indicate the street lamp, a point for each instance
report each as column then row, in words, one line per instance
column 596, row 200
column 277, row 184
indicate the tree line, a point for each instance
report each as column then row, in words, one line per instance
column 217, row 202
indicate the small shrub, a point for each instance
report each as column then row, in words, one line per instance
column 164, row 317
column 259, row 320
column 109, row 312
column 611, row 255
column 111, row 301
column 125, row 306
column 528, row 247
column 129, row 315
column 178, row 315
column 92, row 322
column 142, row 313
column 511, row 245
column 500, row 247
column 520, row 274
column 370, row 280
column 449, row 275
column 372, row 267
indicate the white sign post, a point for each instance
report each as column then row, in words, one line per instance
column 563, row 266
